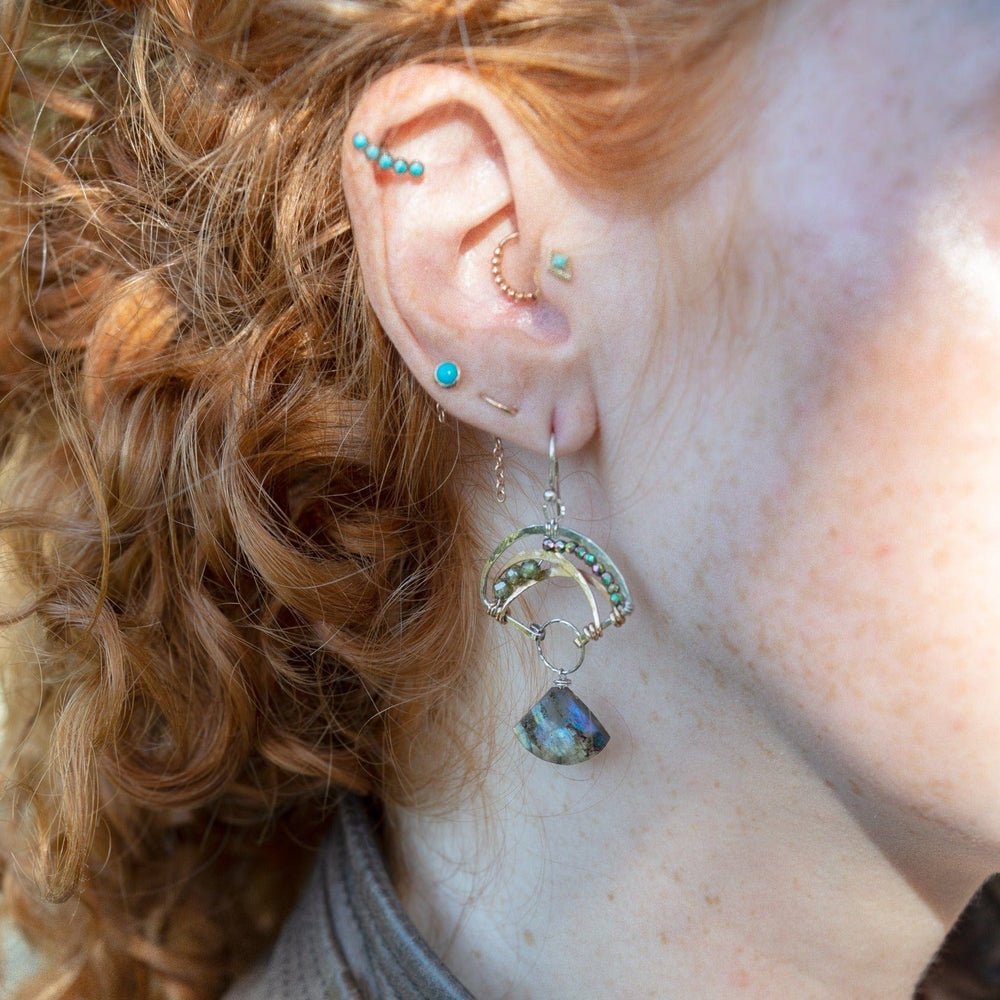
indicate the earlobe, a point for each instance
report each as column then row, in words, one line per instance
column 457, row 254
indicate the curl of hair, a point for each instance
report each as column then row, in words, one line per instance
column 236, row 528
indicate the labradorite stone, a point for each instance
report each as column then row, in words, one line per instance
column 561, row 729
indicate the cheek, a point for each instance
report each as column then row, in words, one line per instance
column 872, row 600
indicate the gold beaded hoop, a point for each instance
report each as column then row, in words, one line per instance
column 514, row 294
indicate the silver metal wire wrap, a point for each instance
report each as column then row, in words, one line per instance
column 498, row 471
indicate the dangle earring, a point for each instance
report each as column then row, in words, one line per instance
column 447, row 374
column 559, row 727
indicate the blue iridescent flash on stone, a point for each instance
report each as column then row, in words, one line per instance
column 560, row 266
column 561, row 729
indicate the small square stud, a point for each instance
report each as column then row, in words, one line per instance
column 560, row 265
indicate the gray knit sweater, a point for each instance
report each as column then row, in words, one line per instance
column 348, row 937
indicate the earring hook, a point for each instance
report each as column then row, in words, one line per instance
column 553, row 506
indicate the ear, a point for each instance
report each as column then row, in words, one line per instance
column 427, row 243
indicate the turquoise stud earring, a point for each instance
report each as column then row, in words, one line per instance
column 384, row 160
column 560, row 727
column 560, row 265
column 447, row 374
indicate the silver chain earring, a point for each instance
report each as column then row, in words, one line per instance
column 559, row 727
column 498, row 471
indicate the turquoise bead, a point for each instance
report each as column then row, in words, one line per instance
column 385, row 161
column 616, row 599
column 372, row 151
column 416, row 169
column 559, row 261
column 400, row 166
column 446, row 374
column 360, row 140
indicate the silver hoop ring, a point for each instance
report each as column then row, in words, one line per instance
column 580, row 641
column 496, row 269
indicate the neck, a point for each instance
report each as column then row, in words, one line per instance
column 701, row 843
column 713, row 841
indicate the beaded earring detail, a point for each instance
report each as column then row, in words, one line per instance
column 496, row 269
column 447, row 374
column 559, row 728
column 384, row 160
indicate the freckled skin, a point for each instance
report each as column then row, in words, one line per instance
column 871, row 577
column 801, row 483
column 835, row 467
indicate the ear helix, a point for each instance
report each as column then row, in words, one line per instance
column 385, row 160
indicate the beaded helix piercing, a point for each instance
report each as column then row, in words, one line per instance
column 559, row 728
column 496, row 269
column 385, row 160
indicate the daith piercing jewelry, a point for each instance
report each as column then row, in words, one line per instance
column 385, row 160
column 447, row 374
column 559, row 727
column 496, row 268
